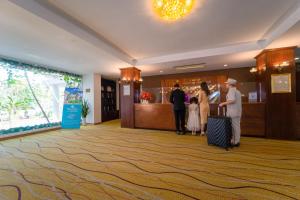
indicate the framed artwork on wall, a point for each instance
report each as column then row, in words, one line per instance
column 126, row 90
column 281, row 83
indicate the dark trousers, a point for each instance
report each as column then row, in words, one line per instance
column 180, row 120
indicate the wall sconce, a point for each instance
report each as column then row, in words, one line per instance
column 130, row 74
column 125, row 79
column 128, row 80
column 253, row 70
column 258, row 70
column 281, row 66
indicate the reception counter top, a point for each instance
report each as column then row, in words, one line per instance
column 160, row 116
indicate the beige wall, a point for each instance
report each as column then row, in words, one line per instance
column 97, row 98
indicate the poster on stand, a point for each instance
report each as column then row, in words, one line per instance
column 72, row 108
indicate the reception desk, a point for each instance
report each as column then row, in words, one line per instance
column 154, row 116
column 160, row 116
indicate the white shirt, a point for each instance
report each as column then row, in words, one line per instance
column 234, row 109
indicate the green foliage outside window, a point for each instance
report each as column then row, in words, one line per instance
column 25, row 92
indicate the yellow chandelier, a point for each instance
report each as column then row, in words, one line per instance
column 171, row 10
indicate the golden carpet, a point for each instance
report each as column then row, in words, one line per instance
column 107, row 162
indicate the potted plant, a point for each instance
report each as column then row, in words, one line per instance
column 85, row 111
column 145, row 97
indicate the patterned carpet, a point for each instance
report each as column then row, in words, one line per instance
column 107, row 162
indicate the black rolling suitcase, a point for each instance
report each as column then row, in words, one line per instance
column 219, row 130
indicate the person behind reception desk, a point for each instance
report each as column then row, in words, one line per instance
column 177, row 98
column 204, row 105
column 234, row 110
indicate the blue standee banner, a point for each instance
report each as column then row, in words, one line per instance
column 72, row 108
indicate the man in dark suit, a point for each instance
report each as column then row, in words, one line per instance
column 177, row 99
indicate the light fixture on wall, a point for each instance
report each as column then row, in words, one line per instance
column 281, row 66
column 253, row 70
column 172, row 10
column 130, row 74
column 128, row 80
column 261, row 68
column 258, row 70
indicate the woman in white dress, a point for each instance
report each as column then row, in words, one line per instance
column 193, row 120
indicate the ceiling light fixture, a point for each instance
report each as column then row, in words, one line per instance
column 161, row 71
column 297, row 58
column 199, row 66
column 225, row 65
column 171, row 10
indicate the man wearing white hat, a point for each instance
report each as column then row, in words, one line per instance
column 234, row 110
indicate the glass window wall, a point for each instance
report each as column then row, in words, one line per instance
column 31, row 97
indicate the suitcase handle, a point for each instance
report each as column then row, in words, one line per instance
column 224, row 111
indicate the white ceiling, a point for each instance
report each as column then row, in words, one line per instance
column 104, row 35
column 26, row 37
column 235, row 60
column 131, row 25
column 289, row 38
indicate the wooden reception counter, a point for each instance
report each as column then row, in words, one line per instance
column 160, row 116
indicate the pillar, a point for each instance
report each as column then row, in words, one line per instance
column 91, row 84
column 130, row 84
column 276, row 64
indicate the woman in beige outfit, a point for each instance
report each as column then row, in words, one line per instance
column 204, row 105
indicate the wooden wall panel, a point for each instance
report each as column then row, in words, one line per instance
column 129, row 76
column 280, row 108
column 281, row 120
column 170, row 82
column 298, row 82
column 298, row 121
column 127, row 107
column 261, row 63
column 196, row 81
column 240, row 74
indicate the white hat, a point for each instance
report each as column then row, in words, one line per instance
column 231, row 81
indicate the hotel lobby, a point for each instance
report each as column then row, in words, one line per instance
column 88, row 111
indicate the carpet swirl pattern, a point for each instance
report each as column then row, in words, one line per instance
column 107, row 162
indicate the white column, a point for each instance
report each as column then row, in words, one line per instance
column 91, row 84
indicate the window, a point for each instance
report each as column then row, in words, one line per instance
column 31, row 97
